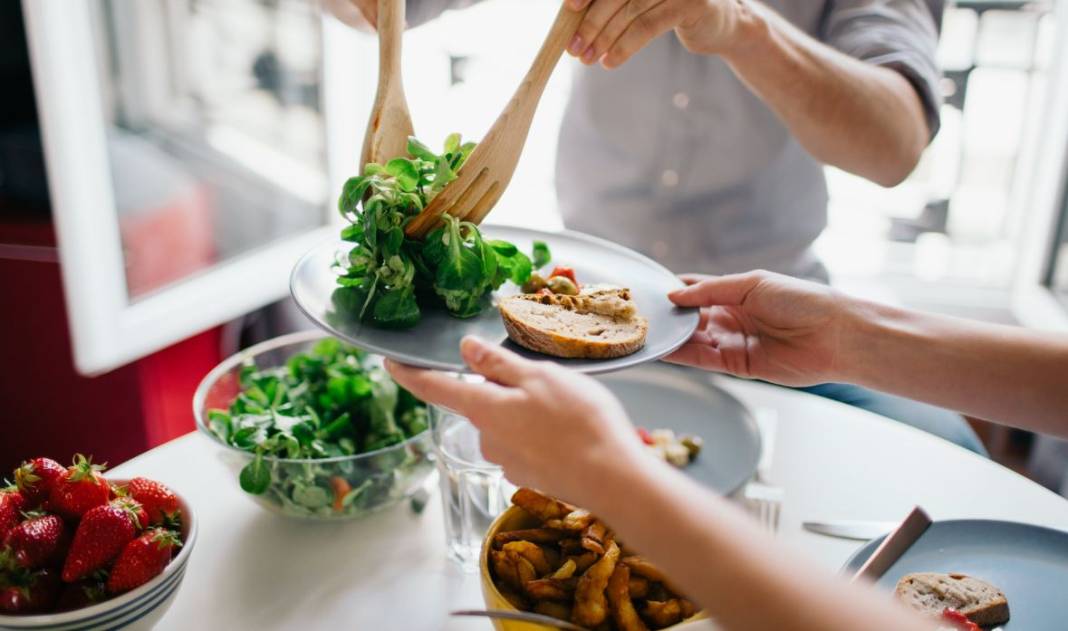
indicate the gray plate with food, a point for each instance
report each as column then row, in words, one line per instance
column 434, row 341
column 684, row 400
column 1027, row 564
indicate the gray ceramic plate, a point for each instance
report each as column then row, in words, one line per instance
column 660, row 395
column 435, row 341
column 1029, row 563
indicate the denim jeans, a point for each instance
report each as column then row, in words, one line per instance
column 933, row 420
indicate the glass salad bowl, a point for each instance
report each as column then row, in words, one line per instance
column 315, row 429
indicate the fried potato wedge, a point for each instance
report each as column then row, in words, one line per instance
column 568, row 565
column 593, row 537
column 583, row 561
column 504, row 568
column 541, row 506
column 662, row 614
column 566, row 570
column 619, row 600
column 532, row 553
column 562, row 589
column 534, row 535
column 591, row 604
column 575, row 521
column 638, row 586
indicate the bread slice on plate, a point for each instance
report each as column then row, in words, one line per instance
column 930, row 592
column 601, row 324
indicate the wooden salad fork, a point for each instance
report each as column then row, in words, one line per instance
column 489, row 168
column 390, row 124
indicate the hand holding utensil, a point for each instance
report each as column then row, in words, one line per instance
column 390, row 124
column 490, row 166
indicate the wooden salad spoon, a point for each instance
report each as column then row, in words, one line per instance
column 390, row 124
column 489, row 168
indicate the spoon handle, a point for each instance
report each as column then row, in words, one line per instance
column 390, row 36
column 559, row 36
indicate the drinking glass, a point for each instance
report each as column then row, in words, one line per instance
column 473, row 490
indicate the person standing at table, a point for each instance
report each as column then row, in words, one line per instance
column 698, row 130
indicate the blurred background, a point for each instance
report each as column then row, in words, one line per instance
column 200, row 144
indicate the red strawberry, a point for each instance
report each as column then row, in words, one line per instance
column 102, row 534
column 40, row 541
column 78, row 489
column 36, row 478
column 84, row 593
column 11, row 505
column 142, row 560
column 160, row 502
column 33, row 593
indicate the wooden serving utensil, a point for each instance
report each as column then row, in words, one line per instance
column 894, row 546
column 390, row 124
column 489, row 168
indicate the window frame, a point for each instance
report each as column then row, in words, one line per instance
column 1034, row 303
column 107, row 329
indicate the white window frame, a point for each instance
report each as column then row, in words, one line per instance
column 1034, row 303
column 107, row 329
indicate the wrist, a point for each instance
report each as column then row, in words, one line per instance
column 613, row 480
column 750, row 30
column 867, row 335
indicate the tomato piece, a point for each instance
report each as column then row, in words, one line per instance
column 646, row 437
column 959, row 619
column 544, row 291
column 566, row 272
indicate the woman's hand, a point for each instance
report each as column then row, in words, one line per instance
column 614, row 30
column 549, row 428
column 765, row 326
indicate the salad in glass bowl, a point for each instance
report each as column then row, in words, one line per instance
column 315, row 428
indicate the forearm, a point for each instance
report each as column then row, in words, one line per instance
column 721, row 559
column 1006, row 374
column 862, row 118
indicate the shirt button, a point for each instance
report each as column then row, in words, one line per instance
column 669, row 178
column 681, row 100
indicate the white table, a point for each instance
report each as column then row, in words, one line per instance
column 253, row 569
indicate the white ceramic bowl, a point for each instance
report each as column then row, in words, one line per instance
column 140, row 608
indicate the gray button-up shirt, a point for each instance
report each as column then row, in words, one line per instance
column 673, row 156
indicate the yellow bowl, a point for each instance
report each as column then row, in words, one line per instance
column 516, row 518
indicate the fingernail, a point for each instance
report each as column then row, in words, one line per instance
column 577, row 4
column 472, row 350
column 576, row 45
column 587, row 57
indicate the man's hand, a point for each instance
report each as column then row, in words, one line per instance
column 764, row 326
column 549, row 428
column 614, row 30
column 360, row 14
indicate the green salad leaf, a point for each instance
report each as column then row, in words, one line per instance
column 386, row 277
column 331, row 401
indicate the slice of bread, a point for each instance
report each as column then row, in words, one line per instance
column 598, row 325
column 930, row 592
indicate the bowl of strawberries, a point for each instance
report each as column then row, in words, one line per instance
column 81, row 551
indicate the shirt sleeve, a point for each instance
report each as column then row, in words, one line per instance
column 421, row 11
column 898, row 34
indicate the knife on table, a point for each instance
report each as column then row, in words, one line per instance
column 850, row 529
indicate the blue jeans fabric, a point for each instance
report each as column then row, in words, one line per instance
column 933, row 420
